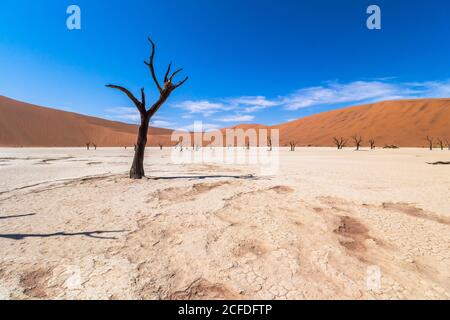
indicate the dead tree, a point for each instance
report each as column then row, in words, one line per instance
column 95, row 146
column 430, row 142
column 372, row 144
column 247, row 145
column 340, row 143
column 269, row 143
column 440, row 143
column 160, row 146
column 358, row 141
column 88, row 145
column 137, row 168
column 293, row 144
column 448, row 143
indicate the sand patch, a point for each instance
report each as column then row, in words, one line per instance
column 354, row 232
column 253, row 247
column 34, row 283
column 201, row 289
column 414, row 211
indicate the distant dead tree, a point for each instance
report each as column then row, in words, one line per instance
column 88, row 145
column 448, row 143
column 440, row 143
column 372, row 144
column 339, row 142
column 293, row 144
column 247, row 145
column 358, row 141
column 269, row 143
column 95, row 146
column 137, row 168
column 430, row 142
column 160, row 146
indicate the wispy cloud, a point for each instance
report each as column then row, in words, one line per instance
column 337, row 93
column 333, row 94
column 132, row 115
column 196, row 126
column 249, row 104
column 237, row 118
column 123, row 114
column 204, row 107
column 162, row 123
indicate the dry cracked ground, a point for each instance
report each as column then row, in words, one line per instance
column 327, row 225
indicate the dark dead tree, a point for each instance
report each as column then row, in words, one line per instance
column 448, row 143
column 269, row 143
column 293, row 144
column 88, row 145
column 440, row 143
column 358, row 141
column 339, row 142
column 247, row 145
column 372, row 144
column 137, row 168
column 160, row 146
column 95, row 146
column 430, row 142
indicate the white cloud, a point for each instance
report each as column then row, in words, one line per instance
column 245, row 108
column 250, row 104
column 123, row 114
column 204, row 107
column 199, row 126
column 161, row 123
column 363, row 92
column 237, row 118
column 337, row 93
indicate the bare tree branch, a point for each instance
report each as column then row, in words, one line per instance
column 179, row 84
column 150, row 65
column 430, row 142
column 143, row 99
column 138, row 104
column 167, row 72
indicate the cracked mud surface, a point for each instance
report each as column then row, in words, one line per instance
column 313, row 230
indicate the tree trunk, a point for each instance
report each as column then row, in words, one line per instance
column 137, row 169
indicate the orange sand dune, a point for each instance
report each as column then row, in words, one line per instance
column 405, row 123
column 23, row 124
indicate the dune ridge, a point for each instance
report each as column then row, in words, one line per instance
column 404, row 123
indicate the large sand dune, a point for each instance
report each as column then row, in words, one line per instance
column 405, row 123
column 26, row 125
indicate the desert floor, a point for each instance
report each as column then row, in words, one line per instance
column 327, row 224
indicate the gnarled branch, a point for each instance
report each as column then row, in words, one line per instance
column 151, row 67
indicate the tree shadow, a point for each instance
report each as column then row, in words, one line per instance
column 18, row 216
column 90, row 234
column 248, row 177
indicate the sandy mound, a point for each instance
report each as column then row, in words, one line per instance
column 401, row 123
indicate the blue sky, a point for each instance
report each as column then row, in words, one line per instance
column 253, row 61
